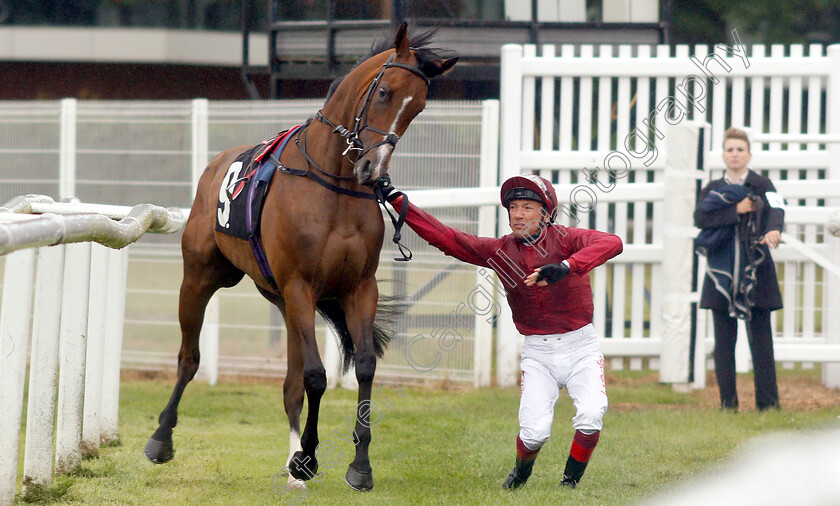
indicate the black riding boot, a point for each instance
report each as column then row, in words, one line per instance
column 573, row 473
column 519, row 475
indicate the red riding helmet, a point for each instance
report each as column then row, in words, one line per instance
column 530, row 187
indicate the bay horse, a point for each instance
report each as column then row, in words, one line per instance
column 321, row 240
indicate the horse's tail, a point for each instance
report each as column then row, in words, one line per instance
column 388, row 311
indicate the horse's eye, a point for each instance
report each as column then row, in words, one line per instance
column 382, row 93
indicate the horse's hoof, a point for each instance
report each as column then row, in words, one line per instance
column 361, row 481
column 295, row 484
column 282, row 486
column 302, row 466
column 159, row 452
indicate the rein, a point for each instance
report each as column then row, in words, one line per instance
column 398, row 223
column 321, row 181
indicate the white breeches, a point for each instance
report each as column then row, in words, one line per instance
column 549, row 363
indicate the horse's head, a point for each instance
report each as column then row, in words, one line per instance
column 391, row 91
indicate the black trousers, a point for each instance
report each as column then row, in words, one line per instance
column 761, row 348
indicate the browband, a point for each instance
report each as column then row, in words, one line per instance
column 419, row 73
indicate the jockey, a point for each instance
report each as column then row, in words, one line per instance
column 544, row 269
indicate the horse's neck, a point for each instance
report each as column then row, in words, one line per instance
column 329, row 153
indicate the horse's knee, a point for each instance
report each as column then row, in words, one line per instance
column 292, row 389
column 365, row 367
column 315, row 381
column 188, row 364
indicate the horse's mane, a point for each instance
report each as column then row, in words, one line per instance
column 420, row 42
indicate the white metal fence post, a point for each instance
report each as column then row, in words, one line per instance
column 43, row 373
column 348, row 380
column 702, row 316
column 209, row 339
column 14, row 337
column 831, row 372
column 510, row 142
column 69, row 278
column 743, row 356
column 72, row 356
column 200, row 139
column 97, row 309
column 208, row 342
column 678, row 245
column 67, row 149
column 489, row 176
column 114, row 322
column 332, row 357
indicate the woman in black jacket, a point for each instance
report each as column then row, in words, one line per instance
column 742, row 217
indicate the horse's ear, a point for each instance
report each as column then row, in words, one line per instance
column 434, row 69
column 401, row 41
column 448, row 64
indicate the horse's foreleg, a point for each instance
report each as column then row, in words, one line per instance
column 360, row 310
column 292, row 388
column 200, row 282
column 305, row 370
column 293, row 400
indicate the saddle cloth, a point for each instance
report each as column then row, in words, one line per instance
column 245, row 185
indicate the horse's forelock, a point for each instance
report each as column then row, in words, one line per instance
column 428, row 57
column 337, row 82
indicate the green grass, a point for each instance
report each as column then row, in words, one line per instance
column 432, row 447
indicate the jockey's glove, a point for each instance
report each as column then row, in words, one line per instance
column 553, row 273
column 388, row 191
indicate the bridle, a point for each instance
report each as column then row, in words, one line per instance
column 354, row 143
column 352, row 137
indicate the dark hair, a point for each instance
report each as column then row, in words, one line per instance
column 418, row 41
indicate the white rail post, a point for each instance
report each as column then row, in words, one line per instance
column 348, row 380
column 14, row 337
column 209, row 339
column 208, row 343
column 743, row 356
column 97, row 309
column 507, row 337
column 831, row 372
column 67, row 149
column 678, row 245
column 332, row 363
column 114, row 322
column 200, row 139
column 489, row 176
column 332, row 357
column 702, row 316
column 43, row 370
column 72, row 355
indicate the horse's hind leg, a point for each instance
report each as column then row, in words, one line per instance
column 204, row 274
column 360, row 310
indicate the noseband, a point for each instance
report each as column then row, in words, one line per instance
column 354, row 142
